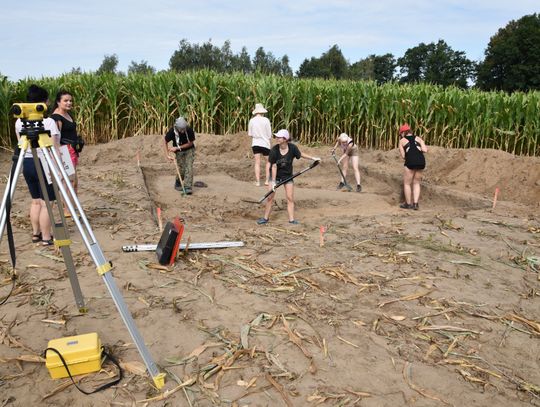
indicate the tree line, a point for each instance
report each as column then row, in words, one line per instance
column 511, row 63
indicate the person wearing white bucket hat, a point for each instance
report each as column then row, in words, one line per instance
column 281, row 163
column 260, row 130
column 349, row 150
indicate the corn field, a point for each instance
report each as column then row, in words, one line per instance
column 315, row 111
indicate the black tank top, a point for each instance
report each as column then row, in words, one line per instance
column 68, row 134
column 414, row 157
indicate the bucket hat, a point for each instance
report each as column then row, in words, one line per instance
column 259, row 108
column 180, row 123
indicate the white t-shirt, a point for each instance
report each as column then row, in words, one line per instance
column 260, row 130
column 48, row 124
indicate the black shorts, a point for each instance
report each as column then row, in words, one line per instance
column 279, row 180
column 260, row 150
column 415, row 166
column 32, row 180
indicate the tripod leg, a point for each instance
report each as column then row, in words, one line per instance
column 70, row 198
column 103, row 266
column 63, row 242
column 10, row 191
column 61, row 235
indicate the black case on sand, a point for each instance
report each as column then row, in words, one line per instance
column 169, row 242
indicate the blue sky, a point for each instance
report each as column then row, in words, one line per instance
column 46, row 38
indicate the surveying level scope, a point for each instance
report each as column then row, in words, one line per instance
column 29, row 111
column 31, row 116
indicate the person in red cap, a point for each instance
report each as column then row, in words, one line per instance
column 281, row 167
column 411, row 149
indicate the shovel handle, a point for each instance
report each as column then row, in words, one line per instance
column 313, row 165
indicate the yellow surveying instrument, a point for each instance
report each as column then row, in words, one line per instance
column 29, row 111
column 34, row 136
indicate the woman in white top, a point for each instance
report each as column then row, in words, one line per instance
column 39, row 216
column 260, row 131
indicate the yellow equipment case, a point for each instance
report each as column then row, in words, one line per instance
column 82, row 354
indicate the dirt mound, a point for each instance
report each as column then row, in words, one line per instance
column 481, row 171
column 471, row 171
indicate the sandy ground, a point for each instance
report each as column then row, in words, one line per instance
column 398, row 308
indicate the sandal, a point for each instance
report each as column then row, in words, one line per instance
column 262, row 221
column 49, row 242
column 36, row 238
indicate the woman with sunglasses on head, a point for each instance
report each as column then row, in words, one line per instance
column 63, row 104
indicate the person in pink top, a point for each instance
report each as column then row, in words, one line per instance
column 349, row 152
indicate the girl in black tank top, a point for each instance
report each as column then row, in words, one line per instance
column 414, row 157
column 68, row 132
column 411, row 149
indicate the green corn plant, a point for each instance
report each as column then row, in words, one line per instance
column 315, row 111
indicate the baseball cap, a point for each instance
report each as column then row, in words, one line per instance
column 282, row 134
column 404, row 127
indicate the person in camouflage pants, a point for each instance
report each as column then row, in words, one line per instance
column 185, row 160
column 183, row 147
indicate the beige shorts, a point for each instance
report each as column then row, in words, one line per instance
column 353, row 152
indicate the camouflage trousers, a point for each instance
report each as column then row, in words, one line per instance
column 185, row 159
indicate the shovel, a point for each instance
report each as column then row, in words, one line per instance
column 347, row 186
column 179, row 177
column 313, row 165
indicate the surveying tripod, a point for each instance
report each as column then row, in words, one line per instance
column 34, row 136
